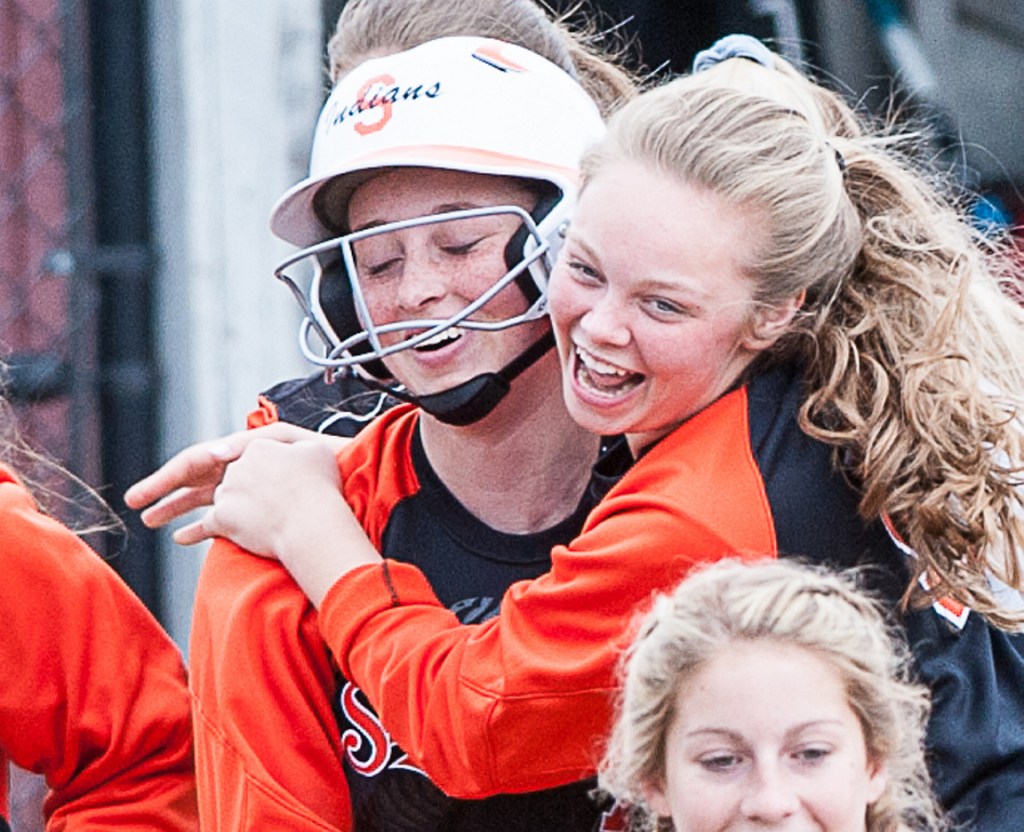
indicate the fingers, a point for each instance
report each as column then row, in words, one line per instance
column 176, row 505
column 202, row 465
column 196, row 466
column 189, row 479
column 191, row 534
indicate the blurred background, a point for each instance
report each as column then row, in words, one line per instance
column 142, row 145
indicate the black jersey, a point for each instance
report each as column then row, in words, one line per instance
column 470, row 565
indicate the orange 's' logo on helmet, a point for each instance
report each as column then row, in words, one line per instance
column 383, row 105
column 374, row 105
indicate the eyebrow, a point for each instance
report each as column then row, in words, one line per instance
column 796, row 729
column 577, row 240
column 698, row 299
column 437, row 209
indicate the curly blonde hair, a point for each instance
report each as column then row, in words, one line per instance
column 913, row 355
column 368, row 28
column 778, row 602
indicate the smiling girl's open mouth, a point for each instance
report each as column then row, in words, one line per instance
column 440, row 341
column 603, row 378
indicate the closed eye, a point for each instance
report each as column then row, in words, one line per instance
column 463, row 248
column 377, row 269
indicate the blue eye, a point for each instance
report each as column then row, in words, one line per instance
column 664, row 309
column 583, row 271
column 813, row 754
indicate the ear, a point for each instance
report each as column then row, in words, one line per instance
column 771, row 322
column 654, row 794
column 878, row 779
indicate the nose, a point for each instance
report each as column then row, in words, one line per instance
column 771, row 797
column 604, row 322
column 422, row 283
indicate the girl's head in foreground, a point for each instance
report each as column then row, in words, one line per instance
column 770, row 695
column 712, row 219
column 739, row 217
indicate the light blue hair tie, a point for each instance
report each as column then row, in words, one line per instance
column 734, row 46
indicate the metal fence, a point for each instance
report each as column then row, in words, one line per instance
column 75, row 250
column 47, row 316
column 46, row 330
column 49, row 264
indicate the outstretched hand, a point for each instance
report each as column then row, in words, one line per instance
column 188, row 480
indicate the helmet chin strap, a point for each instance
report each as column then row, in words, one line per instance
column 475, row 398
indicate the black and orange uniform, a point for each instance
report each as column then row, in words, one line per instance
column 519, row 702
column 470, row 566
column 94, row 695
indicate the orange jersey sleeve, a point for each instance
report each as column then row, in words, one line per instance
column 264, row 414
column 94, row 694
column 268, row 750
column 268, row 755
column 522, row 701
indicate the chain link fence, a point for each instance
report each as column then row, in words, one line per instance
column 45, row 331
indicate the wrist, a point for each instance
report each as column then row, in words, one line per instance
column 318, row 554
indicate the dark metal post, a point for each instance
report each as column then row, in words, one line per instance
column 124, row 267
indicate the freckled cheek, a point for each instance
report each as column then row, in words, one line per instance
column 509, row 301
column 469, row 280
column 381, row 302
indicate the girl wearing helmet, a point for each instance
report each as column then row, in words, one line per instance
column 440, row 180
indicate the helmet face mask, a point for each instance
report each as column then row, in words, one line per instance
column 339, row 316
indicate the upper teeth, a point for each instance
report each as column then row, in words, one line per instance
column 596, row 365
column 445, row 335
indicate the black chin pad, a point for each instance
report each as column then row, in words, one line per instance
column 468, row 402
column 472, row 400
column 547, row 197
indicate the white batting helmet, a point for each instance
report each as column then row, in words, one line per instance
column 461, row 103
